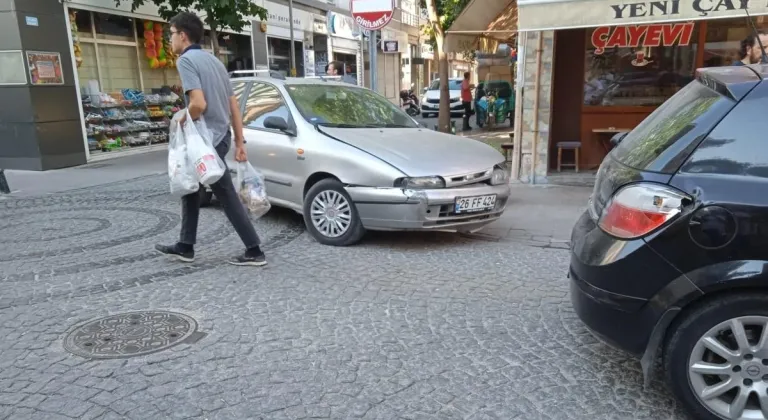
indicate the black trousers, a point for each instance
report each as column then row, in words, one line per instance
column 467, row 114
column 233, row 208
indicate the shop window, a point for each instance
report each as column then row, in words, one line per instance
column 724, row 36
column 113, row 27
column 83, row 22
column 263, row 101
column 88, row 70
column 639, row 65
column 119, row 69
column 280, row 53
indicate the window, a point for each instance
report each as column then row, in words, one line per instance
column 113, row 27
column 639, row 65
column 239, row 88
column 724, row 36
column 347, row 107
column 452, row 85
column 691, row 113
column 737, row 145
column 263, row 101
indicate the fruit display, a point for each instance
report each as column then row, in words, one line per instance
column 154, row 45
column 75, row 40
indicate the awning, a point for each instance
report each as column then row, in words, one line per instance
column 482, row 25
column 539, row 15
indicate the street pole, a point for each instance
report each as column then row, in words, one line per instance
column 292, row 60
column 373, row 59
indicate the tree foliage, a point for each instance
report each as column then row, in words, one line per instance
column 219, row 14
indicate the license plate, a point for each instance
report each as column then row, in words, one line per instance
column 475, row 204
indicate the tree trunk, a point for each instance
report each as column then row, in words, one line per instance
column 214, row 38
column 444, row 117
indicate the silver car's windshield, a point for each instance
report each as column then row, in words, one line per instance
column 452, row 85
column 347, row 107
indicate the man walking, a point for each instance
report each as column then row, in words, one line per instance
column 208, row 93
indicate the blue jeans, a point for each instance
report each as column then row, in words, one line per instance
column 233, row 208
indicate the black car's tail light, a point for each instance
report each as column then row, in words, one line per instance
column 638, row 209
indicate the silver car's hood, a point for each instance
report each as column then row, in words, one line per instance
column 421, row 152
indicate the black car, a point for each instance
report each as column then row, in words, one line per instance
column 670, row 260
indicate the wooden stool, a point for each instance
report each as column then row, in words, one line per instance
column 568, row 145
column 506, row 148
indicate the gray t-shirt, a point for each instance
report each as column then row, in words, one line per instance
column 199, row 69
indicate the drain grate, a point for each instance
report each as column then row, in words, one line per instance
column 131, row 334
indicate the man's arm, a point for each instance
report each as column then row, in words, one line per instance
column 237, row 121
column 190, row 80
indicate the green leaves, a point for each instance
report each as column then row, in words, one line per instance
column 218, row 14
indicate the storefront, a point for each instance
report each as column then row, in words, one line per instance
column 278, row 38
column 345, row 43
column 632, row 59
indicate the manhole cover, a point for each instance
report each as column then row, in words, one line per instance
column 131, row 334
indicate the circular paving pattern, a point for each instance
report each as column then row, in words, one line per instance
column 129, row 334
column 52, row 229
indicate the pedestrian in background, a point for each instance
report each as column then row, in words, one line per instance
column 466, row 100
column 208, row 93
column 336, row 68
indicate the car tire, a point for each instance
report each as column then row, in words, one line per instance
column 425, row 115
column 683, row 346
column 206, row 197
column 354, row 229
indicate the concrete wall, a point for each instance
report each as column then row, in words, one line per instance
column 544, row 108
column 40, row 126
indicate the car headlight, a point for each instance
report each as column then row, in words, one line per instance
column 420, row 183
column 499, row 177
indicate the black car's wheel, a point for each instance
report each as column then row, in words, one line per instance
column 331, row 216
column 206, row 197
column 425, row 115
column 716, row 358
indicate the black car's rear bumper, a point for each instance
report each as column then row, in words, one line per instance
column 616, row 286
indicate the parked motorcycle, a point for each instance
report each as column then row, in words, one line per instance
column 410, row 101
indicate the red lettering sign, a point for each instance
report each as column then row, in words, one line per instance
column 667, row 34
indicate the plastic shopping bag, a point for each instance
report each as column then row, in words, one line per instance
column 251, row 189
column 208, row 165
column 180, row 170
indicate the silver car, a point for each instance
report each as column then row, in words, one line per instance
column 349, row 160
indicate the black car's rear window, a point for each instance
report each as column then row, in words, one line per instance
column 671, row 128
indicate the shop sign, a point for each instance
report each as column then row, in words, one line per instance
column 372, row 14
column 536, row 15
column 45, row 68
column 31, row 21
column 427, row 51
column 390, row 47
column 343, row 26
column 668, row 34
column 277, row 14
column 320, row 28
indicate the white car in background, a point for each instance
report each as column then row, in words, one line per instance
column 430, row 101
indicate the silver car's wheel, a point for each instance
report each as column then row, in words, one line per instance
column 728, row 368
column 331, row 214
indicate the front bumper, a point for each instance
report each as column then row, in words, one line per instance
column 430, row 107
column 398, row 209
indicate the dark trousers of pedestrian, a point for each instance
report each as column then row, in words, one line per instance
column 224, row 190
column 467, row 115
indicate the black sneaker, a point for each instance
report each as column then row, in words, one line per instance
column 255, row 259
column 176, row 252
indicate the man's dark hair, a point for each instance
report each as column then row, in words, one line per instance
column 749, row 42
column 190, row 24
column 338, row 65
column 466, row 75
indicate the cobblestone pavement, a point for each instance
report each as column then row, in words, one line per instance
column 408, row 326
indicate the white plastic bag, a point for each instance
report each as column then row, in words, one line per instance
column 207, row 163
column 251, row 189
column 180, row 170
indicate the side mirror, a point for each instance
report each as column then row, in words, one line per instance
column 618, row 137
column 280, row 124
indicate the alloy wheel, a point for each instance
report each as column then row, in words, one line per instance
column 728, row 369
column 331, row 213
